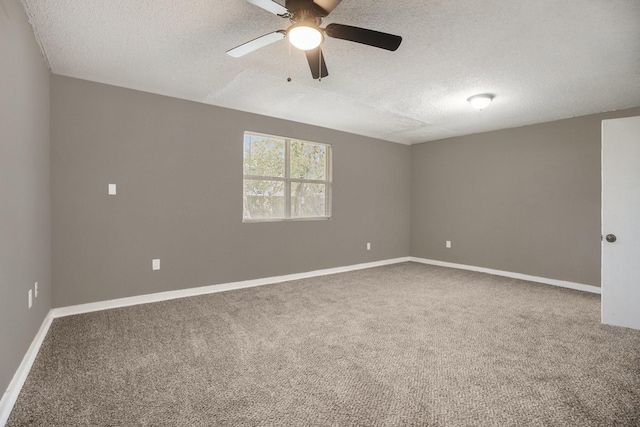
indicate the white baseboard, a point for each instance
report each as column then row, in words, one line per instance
column 11, row 394
column 182, row 293
column 554, row 282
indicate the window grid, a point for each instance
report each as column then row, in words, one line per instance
column 288, row 180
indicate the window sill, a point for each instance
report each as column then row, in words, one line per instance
column 315, row 218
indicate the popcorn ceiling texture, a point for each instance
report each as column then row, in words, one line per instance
column 545, row 60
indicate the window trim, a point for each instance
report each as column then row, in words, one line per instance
column 328, row 183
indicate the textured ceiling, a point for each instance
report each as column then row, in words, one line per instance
column 544, row 60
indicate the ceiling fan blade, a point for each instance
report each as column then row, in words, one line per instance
column 316, row 63
column 327, row 5
column 270, row 6
column 256, row 44
column 364, row 36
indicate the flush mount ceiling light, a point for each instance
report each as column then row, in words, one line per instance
column 305, row 36
column 481, row 101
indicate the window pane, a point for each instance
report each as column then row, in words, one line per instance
column 307, row 200
column 308, row 161
column 263, row 199
column 263, row 156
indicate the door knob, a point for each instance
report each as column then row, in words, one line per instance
column 611, row 238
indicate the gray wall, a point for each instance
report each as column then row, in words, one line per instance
column 25, row 233
column 178, row 170
column 524, row 200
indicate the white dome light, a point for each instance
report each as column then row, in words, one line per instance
column 305, row 37
column 481, row 101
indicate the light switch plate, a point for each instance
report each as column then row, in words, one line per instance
column 155, row 264
column 112, row 189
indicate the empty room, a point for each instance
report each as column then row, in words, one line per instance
column 319, row 213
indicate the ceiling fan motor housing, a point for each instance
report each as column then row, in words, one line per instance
column 305, row 10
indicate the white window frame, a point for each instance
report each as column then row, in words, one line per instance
column 288, row 180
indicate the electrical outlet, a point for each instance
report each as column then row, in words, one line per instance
column 35, row 290
column 30, row 298
column 112, row 189
column 368, row 246
column 155, row 264
column 448, row 244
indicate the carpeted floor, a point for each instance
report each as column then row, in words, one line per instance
column 405, row 344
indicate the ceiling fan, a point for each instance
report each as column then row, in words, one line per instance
column 305, row 32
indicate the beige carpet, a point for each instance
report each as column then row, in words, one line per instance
column 406, row 344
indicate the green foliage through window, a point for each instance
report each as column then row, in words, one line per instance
column 285, row 178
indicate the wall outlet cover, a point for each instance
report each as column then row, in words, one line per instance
column 112, row 189
column 155, row 264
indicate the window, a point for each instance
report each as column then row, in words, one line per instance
column 285, row 178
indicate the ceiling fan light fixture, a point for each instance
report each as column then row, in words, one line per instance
column 305, row 36
column 481, row 101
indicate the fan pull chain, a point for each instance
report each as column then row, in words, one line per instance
column 319, row 64
column 289, row 64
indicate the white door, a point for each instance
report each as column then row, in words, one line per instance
column 621, row 222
